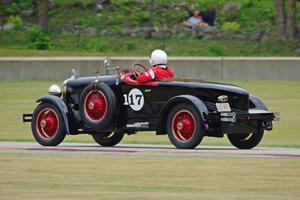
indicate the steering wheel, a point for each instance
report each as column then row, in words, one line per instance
column 137, row 69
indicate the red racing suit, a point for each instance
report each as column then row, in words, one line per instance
column 157, row 72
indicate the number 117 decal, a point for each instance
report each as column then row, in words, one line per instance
column 135, row 99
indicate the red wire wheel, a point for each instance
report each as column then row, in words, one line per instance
column 95, row 106
column 47, row 125
column 185, row 126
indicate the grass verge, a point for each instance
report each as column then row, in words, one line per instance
column 134, row 177
column 126, row 46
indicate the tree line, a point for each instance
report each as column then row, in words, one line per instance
column 285, row 17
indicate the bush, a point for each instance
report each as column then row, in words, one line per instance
column 14, row 7
column 96, row 46
column 39, row 40
column 15, row 20
column 230, row 26
column 130, row 46
column 215, row 50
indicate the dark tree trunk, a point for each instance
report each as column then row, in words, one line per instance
column 43, row 14
column 280, row 20
column 149, row 31
column 291, row 19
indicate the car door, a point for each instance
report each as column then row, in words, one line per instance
column 138, row 100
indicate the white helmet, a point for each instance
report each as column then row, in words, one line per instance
column 158, row 57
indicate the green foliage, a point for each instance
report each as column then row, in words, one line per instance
column 254, row 15
column 14, row 7
column 39, row 40
column 140, row 18
column 127, row 46
column 15, row 20
column 130, row 46
column 11, row 9
column 97, row 46
column 134, row 14
column 230, row 26
column 215, row 50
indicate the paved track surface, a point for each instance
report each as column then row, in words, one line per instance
column 145, row 150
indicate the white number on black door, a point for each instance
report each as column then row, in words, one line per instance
column 135, row 99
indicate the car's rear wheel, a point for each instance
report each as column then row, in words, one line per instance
column 47, row 125
column 97, row 105
column 185, row 126
column 246, row 140
column 108, row 139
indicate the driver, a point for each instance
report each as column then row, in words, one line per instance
column 159, row 69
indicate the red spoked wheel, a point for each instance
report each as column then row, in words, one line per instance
column 47, row 125
column 185, row 126
column 95, row 105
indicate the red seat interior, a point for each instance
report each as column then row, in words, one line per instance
column 126, row 78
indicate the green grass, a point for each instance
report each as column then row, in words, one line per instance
column 18, row 97
column 72, row 1
column 123, row 46
column 134, row 177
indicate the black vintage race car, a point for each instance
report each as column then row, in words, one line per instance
column 107, row 107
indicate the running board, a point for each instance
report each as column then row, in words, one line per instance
column 143, row 125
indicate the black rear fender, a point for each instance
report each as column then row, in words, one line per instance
column 62, row 106
column 192, row 100
column 257, row 103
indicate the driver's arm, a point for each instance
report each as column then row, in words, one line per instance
column 147, row 76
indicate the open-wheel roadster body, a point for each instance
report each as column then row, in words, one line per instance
column 107, row 107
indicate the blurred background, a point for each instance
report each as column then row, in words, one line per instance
column 135, row 27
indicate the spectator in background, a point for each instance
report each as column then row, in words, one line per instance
column 209, row 16
column 194, row 21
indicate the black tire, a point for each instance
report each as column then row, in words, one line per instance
column 185, row 135
column 247, row 140
column 46, row 119
column 108, row 139
column 103, row 90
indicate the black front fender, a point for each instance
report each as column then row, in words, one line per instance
column 61, row 105
column 196, row 102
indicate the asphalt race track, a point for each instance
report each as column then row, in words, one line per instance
column 145, row 150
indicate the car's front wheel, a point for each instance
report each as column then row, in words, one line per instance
column 246, row 140
column 185, row 126
column 108, row 139
column 47, row 125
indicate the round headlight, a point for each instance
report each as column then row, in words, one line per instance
column 223, row 98
column 54, row 90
